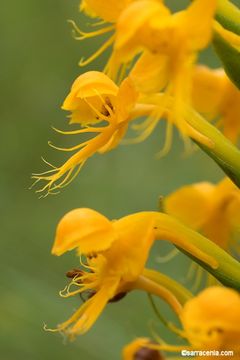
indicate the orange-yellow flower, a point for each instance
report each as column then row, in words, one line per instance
column 116, row 253
column 210, row 321
column 100, row 107
column 212, row 209
column 94, row 99
column 217, row 98
column 168, row 45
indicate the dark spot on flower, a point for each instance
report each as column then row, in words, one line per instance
column 92, row 256
column 148, row 354
column 108, row 102
column 118, row 297
column 105, row 110
column 215, row 330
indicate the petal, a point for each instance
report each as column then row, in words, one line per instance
column 233, row 214
column 212, row 308
column 84, row 115
column 231, row 125
column 191, row 204
column 208, row 90
column 89, row 85
column 217, row 227
column 135, row 238
column 126, row 99
column 115, row 139
column 85, row 229
column 150, row 73
column 133, row 27
column 198, row 22
column 94, row 307
column 84, row 318
column 224, row 191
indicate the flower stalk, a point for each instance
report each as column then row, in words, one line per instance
column 211, row 257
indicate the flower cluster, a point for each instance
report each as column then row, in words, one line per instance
column 153, row 74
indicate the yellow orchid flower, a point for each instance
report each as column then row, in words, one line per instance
column 100, row 107
column 93, row 99
column 116, row 253
column 217, row 98
column 210, row 323
column 169, row 45
column 212, row 209
column 148, row 25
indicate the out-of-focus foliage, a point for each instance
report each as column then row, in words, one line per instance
column 38, row 63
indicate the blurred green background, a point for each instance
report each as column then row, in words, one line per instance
column 38, row 64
